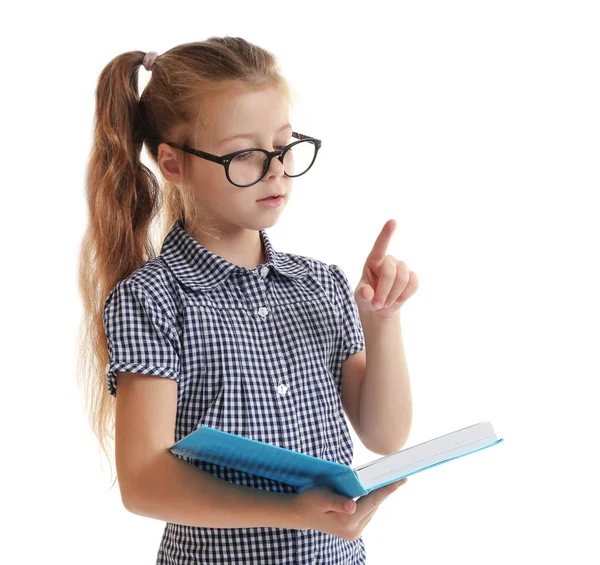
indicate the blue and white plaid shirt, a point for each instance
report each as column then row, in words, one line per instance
column 255, row 352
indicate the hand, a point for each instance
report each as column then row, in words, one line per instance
column 321, row 508
column 385, row 280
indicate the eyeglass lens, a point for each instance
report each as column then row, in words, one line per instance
column 249, row 167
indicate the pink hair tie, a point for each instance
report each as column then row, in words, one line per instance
column 149, row 59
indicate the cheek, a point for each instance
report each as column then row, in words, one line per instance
column 210, row 183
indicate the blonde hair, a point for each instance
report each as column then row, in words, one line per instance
column 124, row 196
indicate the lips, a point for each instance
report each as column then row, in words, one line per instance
column 272, row 196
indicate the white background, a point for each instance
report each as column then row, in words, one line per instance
column 475, row 125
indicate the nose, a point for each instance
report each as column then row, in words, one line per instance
column 276, row 168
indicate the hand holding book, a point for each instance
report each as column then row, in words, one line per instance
column 321, row 508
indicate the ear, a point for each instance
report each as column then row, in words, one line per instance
column 169, row 163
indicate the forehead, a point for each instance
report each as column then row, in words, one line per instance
column 260, row 113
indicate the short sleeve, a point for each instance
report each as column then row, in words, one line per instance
column 352, row 330
column 141, row 338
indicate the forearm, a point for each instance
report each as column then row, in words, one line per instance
column 385, row 409
column 173, row 490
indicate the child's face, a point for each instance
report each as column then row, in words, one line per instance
column 261, row 115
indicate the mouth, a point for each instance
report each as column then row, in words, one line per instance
column 272, row 197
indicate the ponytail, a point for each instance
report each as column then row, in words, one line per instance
column 124, row 196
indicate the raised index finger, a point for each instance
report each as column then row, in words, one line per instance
column 381, row 243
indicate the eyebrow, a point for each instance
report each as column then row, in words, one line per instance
column 249, row 135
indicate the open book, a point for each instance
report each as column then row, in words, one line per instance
column 303, row 471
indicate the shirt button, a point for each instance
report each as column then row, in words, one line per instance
column 282, row 389
column 106, row 368
column 264, row 271
column 263, row 311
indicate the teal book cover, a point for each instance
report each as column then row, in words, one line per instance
column 303, row 471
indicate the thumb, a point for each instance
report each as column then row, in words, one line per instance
column 346, row 505
column 364, row 293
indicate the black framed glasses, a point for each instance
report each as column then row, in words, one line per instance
column 249, row 166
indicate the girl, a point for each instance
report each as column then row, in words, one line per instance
column 220, row 328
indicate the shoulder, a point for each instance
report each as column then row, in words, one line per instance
column 329, row 276
column 152, row 283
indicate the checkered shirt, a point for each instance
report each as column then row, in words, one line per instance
column 255, row 352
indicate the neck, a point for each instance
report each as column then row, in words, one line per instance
column 243, row 247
